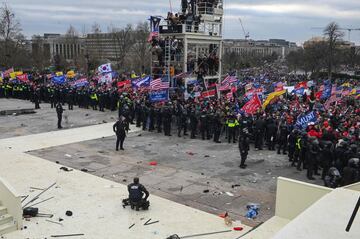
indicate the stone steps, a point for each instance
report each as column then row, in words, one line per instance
column 7, row 223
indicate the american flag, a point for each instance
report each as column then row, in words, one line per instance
column 224, row 87
column 157, row 84
column 229, row 80
column 229, row 95
column 183, row 75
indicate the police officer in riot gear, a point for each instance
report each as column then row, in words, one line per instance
column 59, row 112
column 120, row 129
column 244, row 146
column 332, row 179
column 136, row 193
column 351, row 173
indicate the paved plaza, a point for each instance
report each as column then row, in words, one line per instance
column 195, row 173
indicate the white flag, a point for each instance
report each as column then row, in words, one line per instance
column 106, row 68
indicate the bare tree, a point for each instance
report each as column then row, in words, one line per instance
column 9, row 31
column 334, row 35
column 141, row 48
column 124, row 41
column 72, row 42
column 40, row 52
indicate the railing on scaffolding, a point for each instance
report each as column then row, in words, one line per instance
column 201, row 28
column 210, row 8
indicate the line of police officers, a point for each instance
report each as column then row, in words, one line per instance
column 338, row 159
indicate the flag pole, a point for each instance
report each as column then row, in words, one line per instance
column 170, row 6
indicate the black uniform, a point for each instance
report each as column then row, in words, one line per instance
column 37, row 98
column 136, row 192
column 119, row 128
column 182, row 119
column 312, row 154
column 283, row 134
column 158, row 115
column 271, row 134
column 167, row 115
column 193, row 123
column 59, row 111
column 259, row 133
column 217, row 128
column 243, row 147
column 204, row 128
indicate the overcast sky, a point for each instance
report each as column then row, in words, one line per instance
column 288, row 19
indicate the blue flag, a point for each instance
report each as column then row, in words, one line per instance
column 141, row 82
column 59, row 80
column 327, row 91
column 158, row 96
column 304, row 120
column 299, row 91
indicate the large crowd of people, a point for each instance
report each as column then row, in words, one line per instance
column 327, row 147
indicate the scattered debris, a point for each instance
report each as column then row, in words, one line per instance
column 181, row 188
column 238, row 228
column 227, row 219
column 139, row 135
column 205, row 234
column 54, row 222
column 104, row 121
column 41, row 202
column 30, row 212
column 230, row 194
column 173, row 237
column 68, row 235
column 190, row 153
column 148, row 222
column 124, row 180
column 24, row 198
column 68, row 155
column 69, row 213
column 253, row 210
column 37, row 196
column 235, row 185
column 87, row 170
column 66, row 169
column 132, row 226
column 44, row 215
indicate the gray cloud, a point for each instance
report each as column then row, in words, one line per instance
column 264, row 19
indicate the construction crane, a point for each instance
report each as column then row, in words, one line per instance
column 247, row 35
column 350, row 30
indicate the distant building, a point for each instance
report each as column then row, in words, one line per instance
column 102, row 46
column 261, row 48
column 68, row 47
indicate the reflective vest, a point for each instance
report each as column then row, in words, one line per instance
column 298, row 143
column 231, row 123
